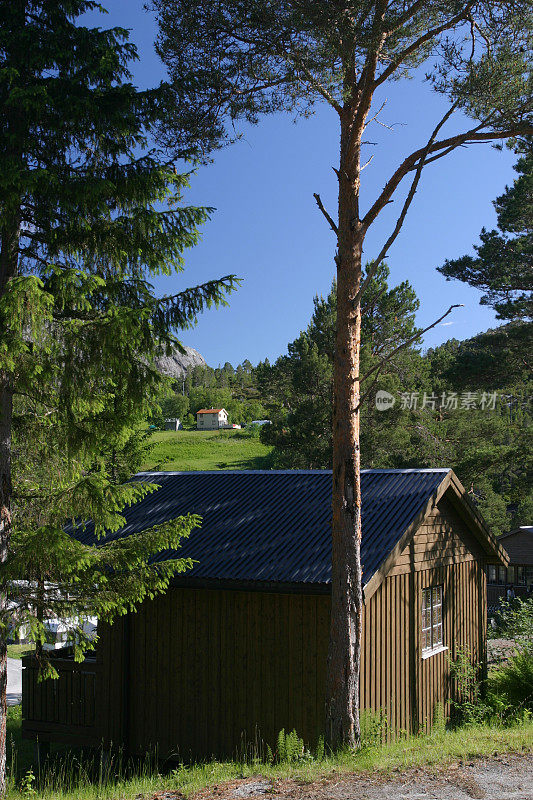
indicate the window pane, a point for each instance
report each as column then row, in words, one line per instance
column 501, row 574
column 432, row 618
column 437, row 636
column 491, row 576
column 510, row 574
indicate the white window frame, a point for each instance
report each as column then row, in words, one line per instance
column 432, row 619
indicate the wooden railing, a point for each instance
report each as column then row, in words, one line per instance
column 64, row 708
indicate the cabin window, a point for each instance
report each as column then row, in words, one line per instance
column 520, row 576
column 432, row 638
column 491, row 574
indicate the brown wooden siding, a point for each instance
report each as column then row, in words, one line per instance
column 519, row 545
column 394, row 676
column 63, row 708
column 212, row 669
column 443, row 538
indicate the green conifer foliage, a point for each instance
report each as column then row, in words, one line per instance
column 90, row 210
column 503, row 265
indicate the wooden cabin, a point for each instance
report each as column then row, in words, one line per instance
column 518, row 575
column 236, row 650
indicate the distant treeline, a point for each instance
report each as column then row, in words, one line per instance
column 232, row 388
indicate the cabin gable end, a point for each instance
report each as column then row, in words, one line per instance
column 442, row 539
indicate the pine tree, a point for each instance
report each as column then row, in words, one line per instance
column 89, row 210
column 244, row 58
column 301, row 383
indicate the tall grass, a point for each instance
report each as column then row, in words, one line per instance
column 78, row 775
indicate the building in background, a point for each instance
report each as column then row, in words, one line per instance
column 518, row 575
column 211, row 419
column 173, row 424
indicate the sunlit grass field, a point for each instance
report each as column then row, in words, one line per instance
column 204, row 450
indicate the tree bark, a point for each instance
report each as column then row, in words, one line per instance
column 344, row 655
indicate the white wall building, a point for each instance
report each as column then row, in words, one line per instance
column 211, row 419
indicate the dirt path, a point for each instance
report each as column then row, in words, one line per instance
column 501, row 778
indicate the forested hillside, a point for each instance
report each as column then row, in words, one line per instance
column 466, row 404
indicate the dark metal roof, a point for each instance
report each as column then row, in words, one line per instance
column 275, row 526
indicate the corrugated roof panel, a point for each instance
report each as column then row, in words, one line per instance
column 275, row 526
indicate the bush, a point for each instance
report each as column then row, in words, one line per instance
column 514, row 620
column 511, row 685
column 467, row 706
column 373, row 727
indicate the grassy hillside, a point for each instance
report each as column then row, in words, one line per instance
column 200, row 450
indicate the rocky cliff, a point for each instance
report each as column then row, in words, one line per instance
column 178, row 364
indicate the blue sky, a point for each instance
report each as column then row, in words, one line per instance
column 267, row 229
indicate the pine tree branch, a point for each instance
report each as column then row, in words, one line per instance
column 409, row 199
column 387, row 358
column 412, row 161
column 416, row 45
column 317, row 86
column 406, row 16
column 367, row 84
column 332, row 224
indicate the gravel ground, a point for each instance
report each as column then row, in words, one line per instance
column 502, row 778
column 499, row 650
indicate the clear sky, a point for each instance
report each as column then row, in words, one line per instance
column 267, row 229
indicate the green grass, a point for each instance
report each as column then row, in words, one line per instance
column 19, row 650
column 73, row 775
column 203, row 450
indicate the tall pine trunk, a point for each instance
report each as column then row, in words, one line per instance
column 344, row 655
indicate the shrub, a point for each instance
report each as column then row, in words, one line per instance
column 512, row 683
column 514, row 620
column 373, row 727
column 467, row 706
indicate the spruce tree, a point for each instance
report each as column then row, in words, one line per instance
column 89, row 211
column 244, row 58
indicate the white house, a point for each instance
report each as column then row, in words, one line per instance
column 210, row 419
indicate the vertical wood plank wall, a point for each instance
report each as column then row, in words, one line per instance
column 209, row 668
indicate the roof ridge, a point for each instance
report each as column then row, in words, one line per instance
column 413, row 470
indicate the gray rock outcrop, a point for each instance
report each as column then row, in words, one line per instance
column 178, row 364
